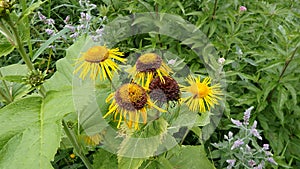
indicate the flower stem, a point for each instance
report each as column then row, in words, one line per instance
column 19, row 44
column 70, row 134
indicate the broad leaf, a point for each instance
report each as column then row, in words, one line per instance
column 5, row 46
column 16, row 90
column 189, row 157
column 105, row 160
column 31, row 130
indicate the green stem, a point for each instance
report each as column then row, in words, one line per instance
column 183, row 138
column 26, row 22
column 287, row 64
column 215, row 9
column 76, row 145
column 19, row 44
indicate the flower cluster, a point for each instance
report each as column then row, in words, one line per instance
column 151, row 82
column 243, row 151
column 84, row 25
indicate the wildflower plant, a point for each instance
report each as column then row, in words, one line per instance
column 104, row 116
column 242, row 149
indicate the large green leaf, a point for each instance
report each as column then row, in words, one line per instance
column 142, row 145
column 5, row 46
column 9, row 88
column 62, row 79
column 189, row 157
column 105, row 160
column 31, row 130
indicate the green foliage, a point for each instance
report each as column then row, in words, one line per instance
column 10, row 86
column 26, row 140
column 260, row 45
column 189, row 157
column 105, row 160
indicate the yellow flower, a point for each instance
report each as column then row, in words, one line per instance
column 130, row 101
column 147, row 67
column 202, row 96
column 99, row 59
column 92, row 140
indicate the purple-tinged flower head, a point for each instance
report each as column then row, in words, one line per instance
column 237, row 144
column 231, row 163
column 230, row 134
column 87, row 17
column 236, row 122
column 50, row 21
column 67, row 19
column 254, row 125
column 74, row 35
column 49, row 31
column 243, row 8
column 221, row 61
column 93, row 6
column 254, row 132
column 99, row 31
column 42, row 17
column 247, row 115
column 171, row 61
column 70, row 27
column 271, row 160
column 266, row 147
column 251, row 163
column 80, row 2
column 268, row 153
column 80, row 27
column 82, row 15
column 248, row 148
column 260, row 166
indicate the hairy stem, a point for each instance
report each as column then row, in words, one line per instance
column 19, row 44
column 70, row 134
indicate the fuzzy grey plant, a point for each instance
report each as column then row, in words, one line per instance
column 86, row 25
column 242, row 150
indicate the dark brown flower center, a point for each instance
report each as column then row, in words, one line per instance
column 163, row 92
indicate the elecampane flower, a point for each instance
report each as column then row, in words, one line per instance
column 129, row 102
column 147, row 67
column 99, row 60
column 202, row 96
column 164, row 91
